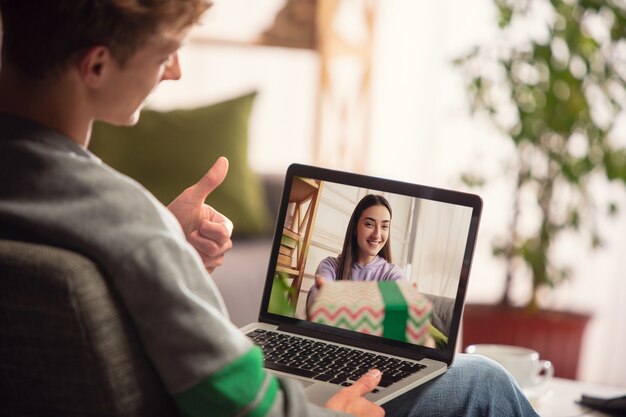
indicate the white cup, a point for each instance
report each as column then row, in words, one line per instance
column 524, row 364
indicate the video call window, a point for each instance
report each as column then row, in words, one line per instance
column 417, row 242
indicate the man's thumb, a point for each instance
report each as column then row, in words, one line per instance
column 210, row 181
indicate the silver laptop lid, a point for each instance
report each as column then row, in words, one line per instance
column 432, row 235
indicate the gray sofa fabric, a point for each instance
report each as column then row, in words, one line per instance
column 67, row 345
column 443, row 307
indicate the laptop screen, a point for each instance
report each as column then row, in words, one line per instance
column 373, row 259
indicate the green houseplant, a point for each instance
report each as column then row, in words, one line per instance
column 555, row 94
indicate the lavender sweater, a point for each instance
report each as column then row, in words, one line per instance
column 377, row 270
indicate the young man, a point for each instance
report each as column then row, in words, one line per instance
column 66, row 63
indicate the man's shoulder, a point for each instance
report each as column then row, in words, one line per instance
column 29, row 150
column 51, row 185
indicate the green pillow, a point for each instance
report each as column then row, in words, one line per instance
column 441, row 340
column 169, row 151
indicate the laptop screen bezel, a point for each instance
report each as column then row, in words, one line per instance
column 353, row 338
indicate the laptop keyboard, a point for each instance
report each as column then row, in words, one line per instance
column 327, row 362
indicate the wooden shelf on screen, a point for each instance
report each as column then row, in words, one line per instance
column 289, row 271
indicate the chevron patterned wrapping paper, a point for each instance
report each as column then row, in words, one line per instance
column 395, row 310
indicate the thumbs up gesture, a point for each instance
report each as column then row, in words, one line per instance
column 206, row 229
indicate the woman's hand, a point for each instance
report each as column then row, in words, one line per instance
column 319, row 281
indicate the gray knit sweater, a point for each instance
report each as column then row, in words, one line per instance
column 54, row 191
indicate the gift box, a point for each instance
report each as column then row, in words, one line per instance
column 395, row 310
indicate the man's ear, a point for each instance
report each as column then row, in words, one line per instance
column 94, row 64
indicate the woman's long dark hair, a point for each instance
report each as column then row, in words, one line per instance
column 350, row 250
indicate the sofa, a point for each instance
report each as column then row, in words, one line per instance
column 67, row 344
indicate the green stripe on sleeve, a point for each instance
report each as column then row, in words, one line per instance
column 241, row 388
column 262, row 407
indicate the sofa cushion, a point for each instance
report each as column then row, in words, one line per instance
column 168, row 151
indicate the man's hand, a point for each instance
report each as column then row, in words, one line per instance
column 206, row 229
column 350, row 399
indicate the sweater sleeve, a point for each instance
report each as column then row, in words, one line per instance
column 207, row 364
column 327, row 268
column 244, row 388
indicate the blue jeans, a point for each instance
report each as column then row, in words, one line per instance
column 473, row 386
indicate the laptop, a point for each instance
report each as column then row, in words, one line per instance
column 432, row 236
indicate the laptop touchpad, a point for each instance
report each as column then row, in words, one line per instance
column 320, row 393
